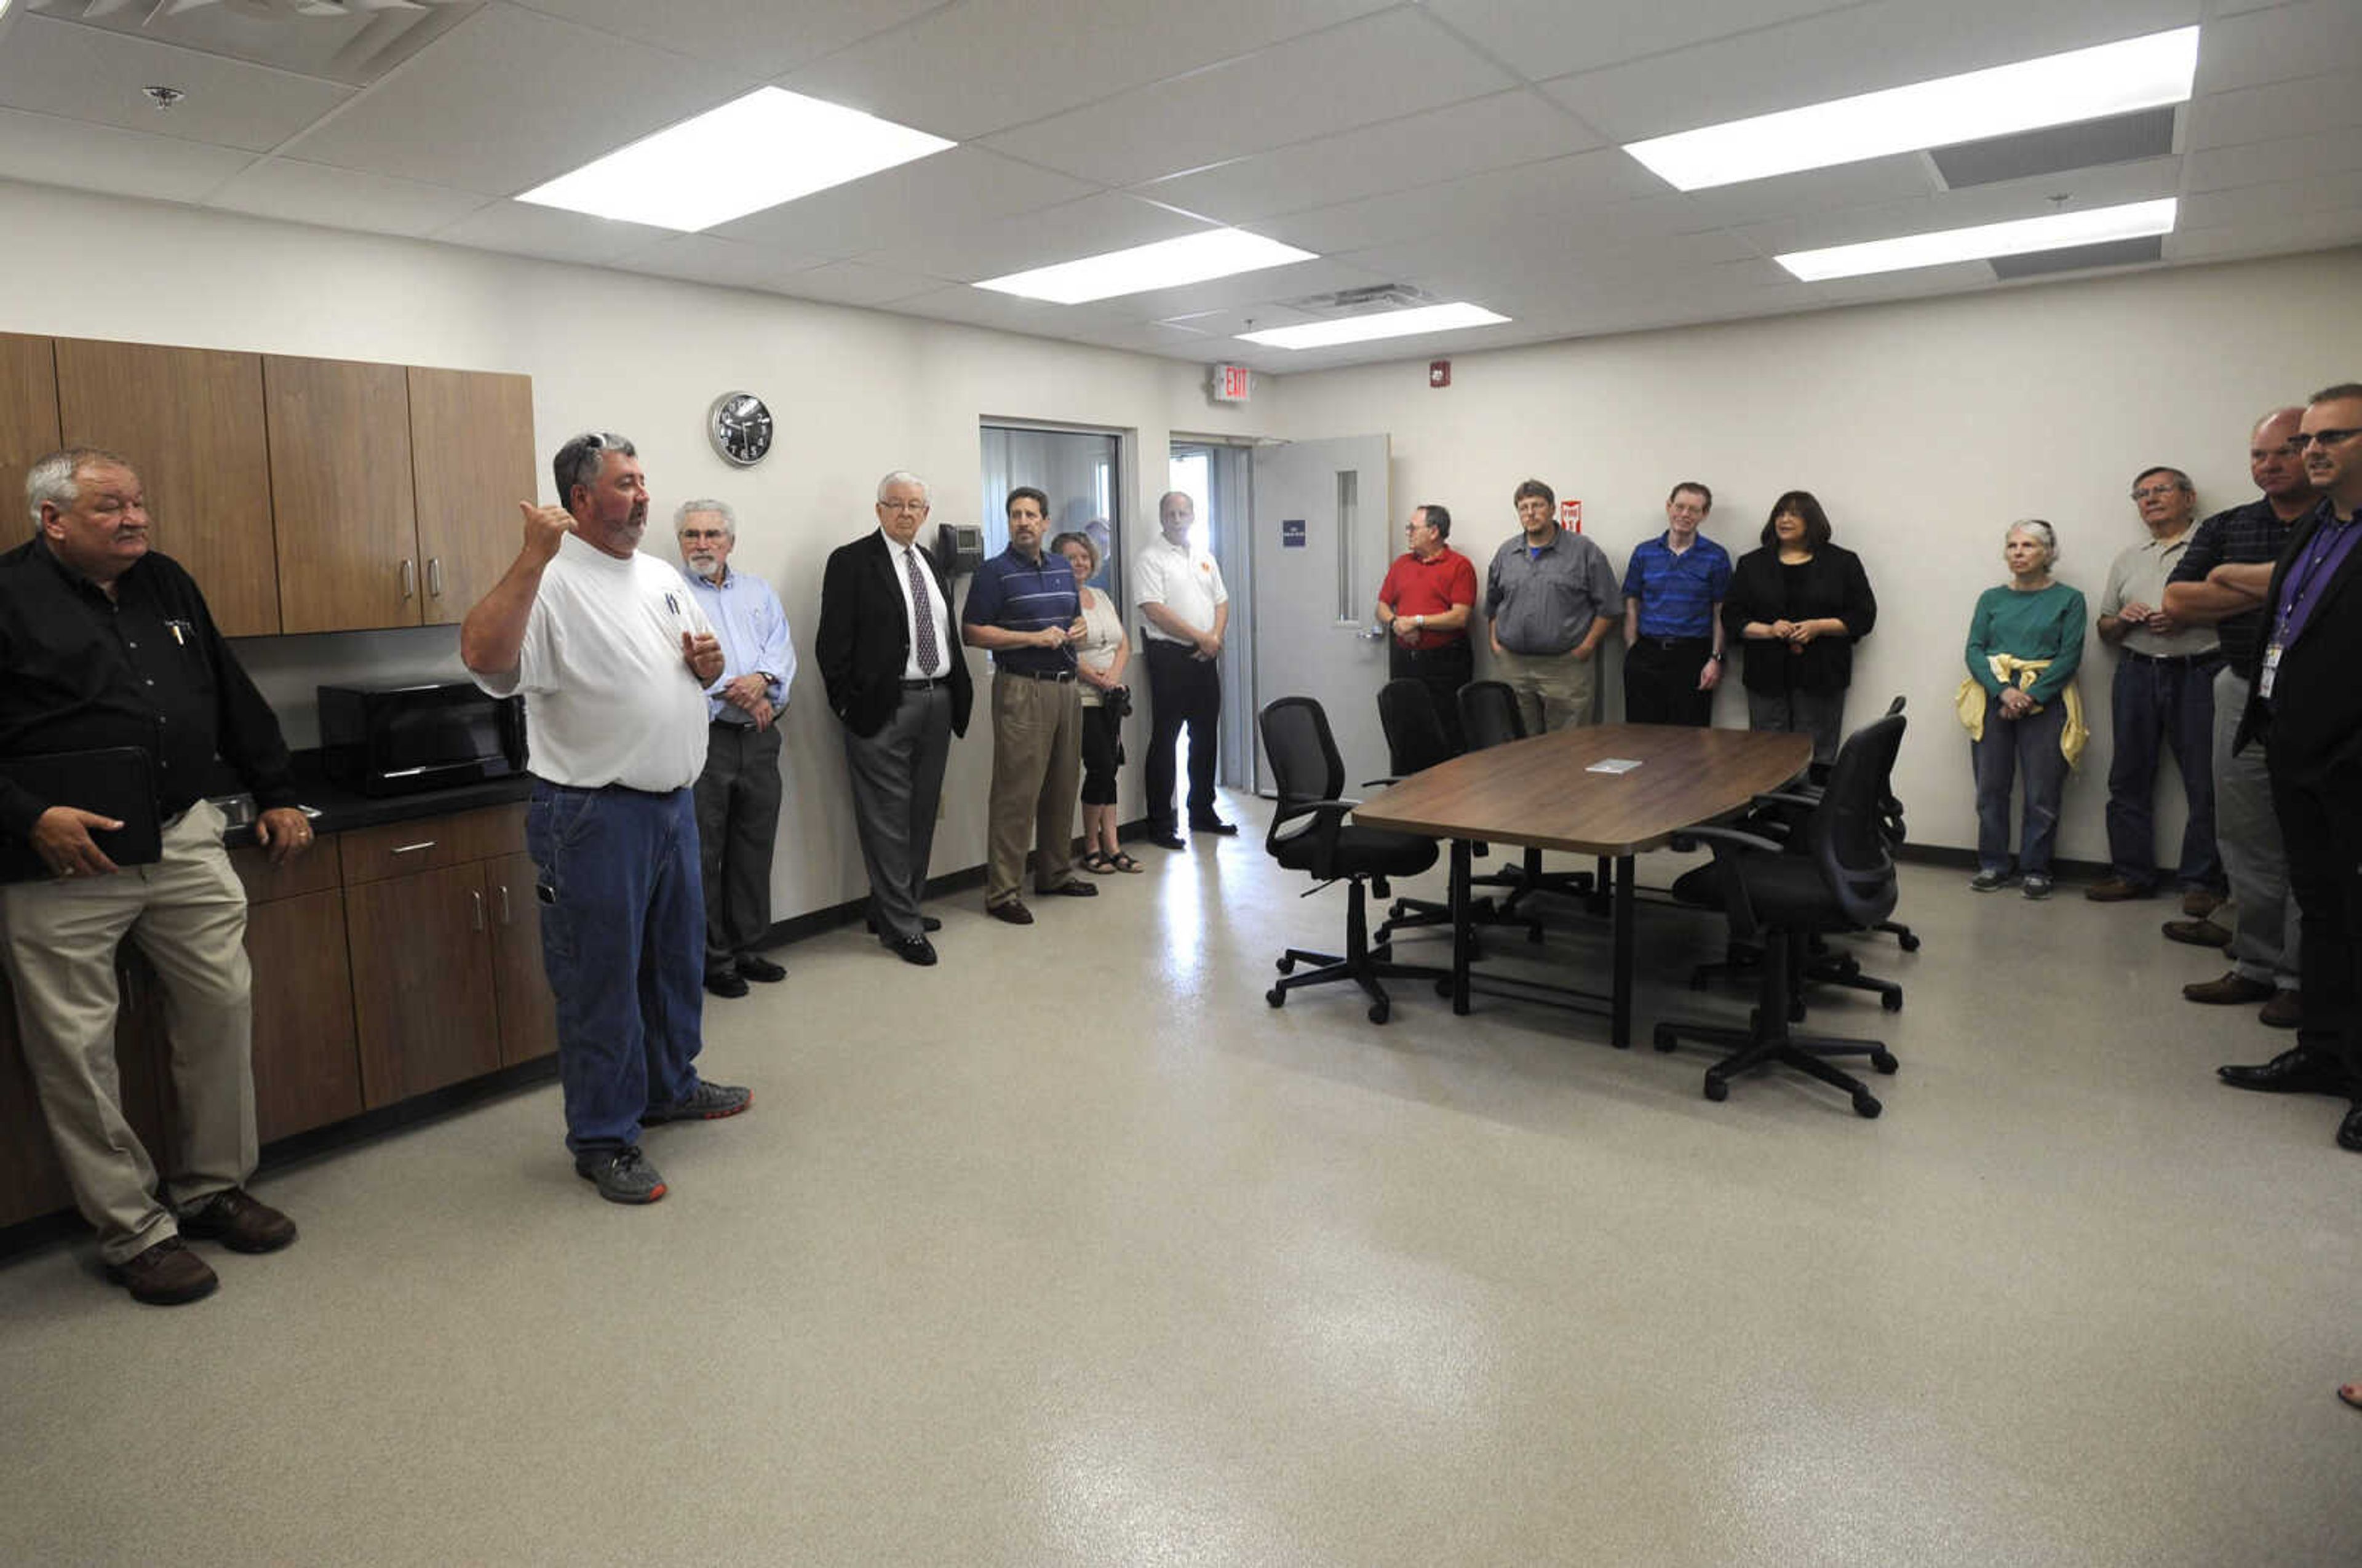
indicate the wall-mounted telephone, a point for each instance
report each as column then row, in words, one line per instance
column 959, row 548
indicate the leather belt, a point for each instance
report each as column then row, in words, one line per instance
column 927, row 684
column 2209, row 656
column 1037, row 674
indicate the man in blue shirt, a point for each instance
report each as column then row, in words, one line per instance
column 738, row 793
column 1674, row 591
column 1024, row 609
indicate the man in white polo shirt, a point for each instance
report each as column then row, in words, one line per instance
column 1186, row 610
column 613, row 656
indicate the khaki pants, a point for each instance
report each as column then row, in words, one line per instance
column 187, row 912
column 1553, row 690
column 1037, row 770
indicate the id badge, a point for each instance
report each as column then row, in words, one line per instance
column 2271, row 667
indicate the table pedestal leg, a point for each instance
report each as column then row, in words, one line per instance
column 1620, row 1031
column 1463, row 924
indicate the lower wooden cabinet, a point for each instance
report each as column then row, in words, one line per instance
column 307, row 1070
column 528, row 1010
column 421, row 952
column 31, row 1181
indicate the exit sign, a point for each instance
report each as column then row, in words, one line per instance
column 1233, row 383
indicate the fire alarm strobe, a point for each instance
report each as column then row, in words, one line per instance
column 1439, row 372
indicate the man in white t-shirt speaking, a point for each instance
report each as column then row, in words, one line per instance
column 613, row 657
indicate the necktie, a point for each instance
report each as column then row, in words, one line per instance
column 922, row 612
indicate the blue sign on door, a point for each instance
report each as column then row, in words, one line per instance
column 1291, row 532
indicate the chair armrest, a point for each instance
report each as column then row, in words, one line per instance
column 1730, row 846
column 1716, row 837
column 1381, row 783
column 1790, row 797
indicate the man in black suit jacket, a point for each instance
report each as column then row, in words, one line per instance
column 888, row 650
column 2307, row 709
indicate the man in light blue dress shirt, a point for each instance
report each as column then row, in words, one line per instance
column 738, row 793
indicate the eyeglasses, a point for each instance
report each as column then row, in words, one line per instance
column 2322, row 438
column 2156, row 491
column 902, row 506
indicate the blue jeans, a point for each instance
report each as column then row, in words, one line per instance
column 622, row 939
column 2027, row 746
column 2159, row 704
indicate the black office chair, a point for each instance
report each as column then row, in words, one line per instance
column 1489, row 717
column 1842, row 880
column 1415, row 742
column 1310, row 834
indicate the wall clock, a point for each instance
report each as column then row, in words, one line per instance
column 739, row 424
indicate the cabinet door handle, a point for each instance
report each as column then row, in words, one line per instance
column 477, row 895
column 504, row 903
column 413, row 848
column 409, row 578
column 434, row 575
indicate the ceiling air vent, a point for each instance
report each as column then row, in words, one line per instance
column 1368, row 300
column 2081, row 258
column 2123, row 138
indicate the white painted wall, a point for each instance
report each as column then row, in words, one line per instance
column 1925, row 428
column 857, row 392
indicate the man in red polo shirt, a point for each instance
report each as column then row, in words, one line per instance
column 1429, row 594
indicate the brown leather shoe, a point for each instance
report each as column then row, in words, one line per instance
column 2233, row 988
column 2197, row 933
column 2285, row 1010
column 2200, row 902
column 2115, row 891
column 237, row 1221
column 1013, row 911
column 166, row 1275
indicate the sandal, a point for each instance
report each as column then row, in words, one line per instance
column 1097, row 863
column 1120, row 861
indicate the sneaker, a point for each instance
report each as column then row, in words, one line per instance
column 237, row 1221
column 2038, row 886
column 622, row 1176
column 706, row 1102
column 2115, row 891
column 2200, row 902
column 1990, row 881
column 166, row 1275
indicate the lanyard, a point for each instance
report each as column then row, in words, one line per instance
column 2293, row 589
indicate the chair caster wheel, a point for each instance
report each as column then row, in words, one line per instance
column 1892, row 1001
column 1380, row 1012
column 1866, row 1106
column 1396, row 910
column 1715, row 1089
column 1661, row 1037
column 1907, row 941
column 1287, row 966
column 1276, row 996
column 1883, row 1061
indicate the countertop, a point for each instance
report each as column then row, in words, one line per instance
column 337, row 809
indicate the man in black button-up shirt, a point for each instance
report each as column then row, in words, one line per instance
column 108, row 644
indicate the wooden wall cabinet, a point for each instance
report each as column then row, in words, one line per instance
column 472, row 458
column 340, row 477
column 29, row 409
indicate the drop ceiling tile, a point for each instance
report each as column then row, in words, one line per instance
column 2266, row 206
column 500, row 103
column 2311, row 231
column 763, row 36
column 341, row 198
column 355, row 48
column 1248, row 290
column 702, row 259
column 2085, row 188
column 551, row 233
column 1110, row 221
column 860, row 284
column 981, row 66
column 1904, row 177
column 1862, row 49
column 87, row 74
column 1396, row 62
column 963, row 187
column 85, row 157
column 2264, row 162
column 2282, row 109
column 2287, row 42
column 1550, row 38
column 1450, row 143
column 1584, row 182
column 982, row 307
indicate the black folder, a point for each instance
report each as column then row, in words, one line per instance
column 119, row 782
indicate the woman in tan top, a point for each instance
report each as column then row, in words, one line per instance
column 1100, row 659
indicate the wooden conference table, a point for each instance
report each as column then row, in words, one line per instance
column 1540, row 793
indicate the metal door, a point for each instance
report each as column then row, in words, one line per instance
column 1321, row 543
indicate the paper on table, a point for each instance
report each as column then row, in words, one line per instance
column 1614, row 765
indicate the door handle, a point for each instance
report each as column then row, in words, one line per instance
column 435, row 577
column 409, row 578
column 413, row 848
column 505, row 918
column 476, row 896
column 1372, row 634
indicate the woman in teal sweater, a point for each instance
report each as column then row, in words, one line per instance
column 2021, row 707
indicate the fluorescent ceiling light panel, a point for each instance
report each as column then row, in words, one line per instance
column 770, row 146
column 2053, row 233
column 2057, row 90
column 1379, row 324
column 1167, row 264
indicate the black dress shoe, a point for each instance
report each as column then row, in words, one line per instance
column 725, row 985
column 910, row 949
column 1214, row 825
column 926, row 922
column 1076, row 889
column 2349, row 1132
column 1013, row 911
column 1164, row 838
column 2299, row 1071
column 750, row 968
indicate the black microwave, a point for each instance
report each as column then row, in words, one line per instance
column 400, row 740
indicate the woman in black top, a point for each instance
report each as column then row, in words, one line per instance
column 1797, row 606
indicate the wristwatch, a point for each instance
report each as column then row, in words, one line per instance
column 1716, row 656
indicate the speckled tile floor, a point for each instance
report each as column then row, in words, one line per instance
column 1073, row 1251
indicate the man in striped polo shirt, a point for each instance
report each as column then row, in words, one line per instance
column 1672, row 616
column 1023, row 608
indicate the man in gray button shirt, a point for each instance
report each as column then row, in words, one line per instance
column 1550, row 597
column 2163, row 692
